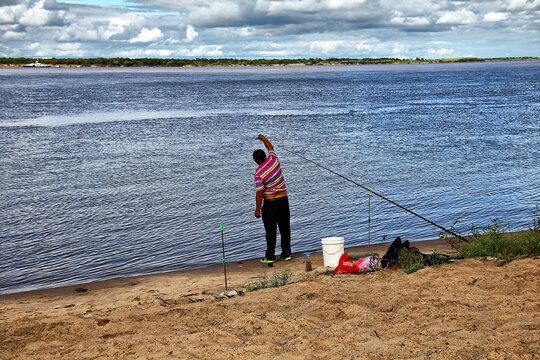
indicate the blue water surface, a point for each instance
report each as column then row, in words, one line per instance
column 109, row 172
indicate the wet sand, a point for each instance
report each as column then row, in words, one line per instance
column 468, row 309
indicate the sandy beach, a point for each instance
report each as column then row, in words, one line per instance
column 468, row 309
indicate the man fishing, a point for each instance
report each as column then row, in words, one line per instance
column 270, row 186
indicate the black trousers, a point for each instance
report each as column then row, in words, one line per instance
column 275, row 212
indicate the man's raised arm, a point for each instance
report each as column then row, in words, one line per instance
column 267, row 143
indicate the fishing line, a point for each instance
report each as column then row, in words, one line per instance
column 377, row 194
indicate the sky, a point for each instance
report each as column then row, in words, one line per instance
column 253, row 29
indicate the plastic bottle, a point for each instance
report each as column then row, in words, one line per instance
column 308, row 262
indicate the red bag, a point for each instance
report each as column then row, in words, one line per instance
column 345, row 266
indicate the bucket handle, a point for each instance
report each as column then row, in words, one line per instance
column 334, row 253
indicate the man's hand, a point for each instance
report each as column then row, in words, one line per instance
column 258, row 213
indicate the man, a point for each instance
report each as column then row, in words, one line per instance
column 270, row 186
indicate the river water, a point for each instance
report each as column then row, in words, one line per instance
column 109, row 172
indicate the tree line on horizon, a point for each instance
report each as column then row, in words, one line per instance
column 199, row 62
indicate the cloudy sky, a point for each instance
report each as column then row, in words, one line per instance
column 269, row 28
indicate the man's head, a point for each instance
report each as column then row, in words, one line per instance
column 259, row 156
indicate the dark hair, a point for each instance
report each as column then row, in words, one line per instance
column 259, row 156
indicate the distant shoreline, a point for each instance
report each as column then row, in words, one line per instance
column 231, row 62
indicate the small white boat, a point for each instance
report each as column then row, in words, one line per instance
column 36, row 64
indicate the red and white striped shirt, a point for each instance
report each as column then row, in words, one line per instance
column 268, row 176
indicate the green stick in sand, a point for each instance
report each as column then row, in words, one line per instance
column 369, row 219
column 223, row 260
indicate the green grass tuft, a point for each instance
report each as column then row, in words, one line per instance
column 497, row 241
column 410, row 261
column 278, row 279
column 327, row 272
column 494, row 242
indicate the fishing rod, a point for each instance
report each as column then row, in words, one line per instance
column 377, row 194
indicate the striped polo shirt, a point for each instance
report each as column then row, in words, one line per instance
column 268, row 176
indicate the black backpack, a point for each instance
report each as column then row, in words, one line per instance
column 392, row 254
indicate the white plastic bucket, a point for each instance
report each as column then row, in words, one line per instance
column 332, row 247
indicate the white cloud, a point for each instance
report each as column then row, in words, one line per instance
column 116, row 26
column 13, row 35
column 364, row 46
column 294, row 6
column 458, row 17
column 147, row 35
column 6, row 15
column 410, row 21
column 69, row 49
column 439, row 52
column 45, row 49
column 246, row 32
column 81, row 31
column 158, row 53
column 37, row 49
column 9, row 27
column 39, row 15
column 132, row 53
column 203, row 50
column 374, row 45
column 216, row 12
column 69, row 46
column 138, row 53
column 495, row 16
column 519, row 5
column 340, row 4
column 326, row 47
column 191, row 33
column 273, row 53
column 399, row 50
